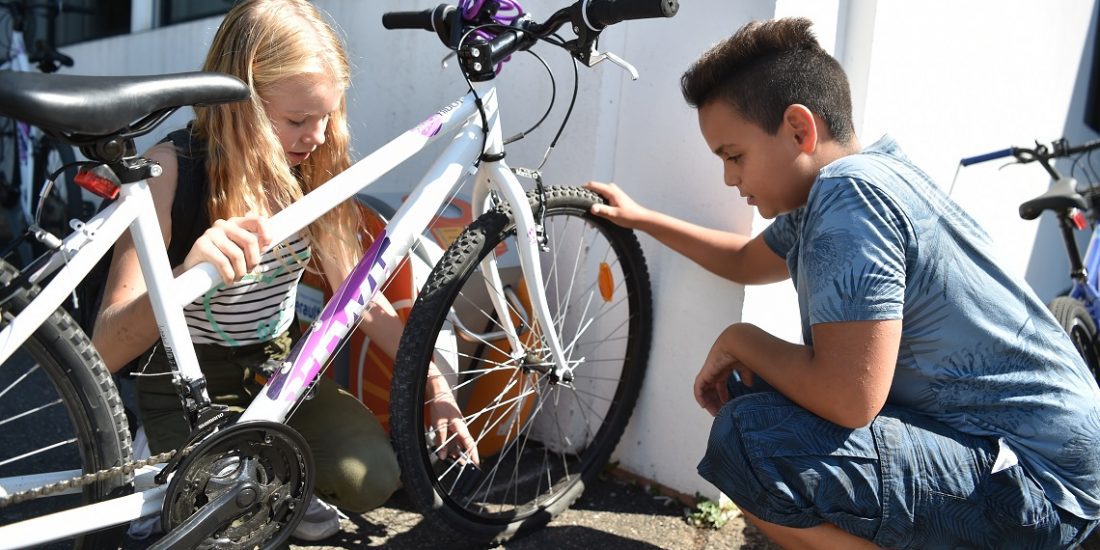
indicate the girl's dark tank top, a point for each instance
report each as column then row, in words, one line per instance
column 190, row 216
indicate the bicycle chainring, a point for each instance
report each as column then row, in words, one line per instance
column 271, row 457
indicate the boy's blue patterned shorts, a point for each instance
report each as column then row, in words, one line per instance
column 905, row 481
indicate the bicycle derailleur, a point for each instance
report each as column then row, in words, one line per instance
column 245, row 486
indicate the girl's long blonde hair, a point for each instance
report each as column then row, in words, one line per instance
column 263, row 42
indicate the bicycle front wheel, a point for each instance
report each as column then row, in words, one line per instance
column 60, row 417
column 540, row 439
column 1077, row 322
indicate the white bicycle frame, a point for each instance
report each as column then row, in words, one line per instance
column 134, row 210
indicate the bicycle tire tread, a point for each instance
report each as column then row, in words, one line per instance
column 82, row 367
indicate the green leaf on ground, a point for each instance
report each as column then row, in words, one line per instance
column 711, row 515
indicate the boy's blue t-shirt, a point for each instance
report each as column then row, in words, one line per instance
column 878, row 239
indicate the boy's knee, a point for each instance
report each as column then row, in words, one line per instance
column 730, row 465
column 790, row 467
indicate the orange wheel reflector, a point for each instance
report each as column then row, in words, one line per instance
column 607, row 282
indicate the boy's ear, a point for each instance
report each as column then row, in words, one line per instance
column 799, row 122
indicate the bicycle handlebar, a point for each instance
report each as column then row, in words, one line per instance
column 588, row 18
column 1041, row 153
column 411, row 19
column 604, row 13
column 988, row 156
column 598, row 13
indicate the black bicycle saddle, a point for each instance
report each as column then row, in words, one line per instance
column 103, row 105
column 1060, row 196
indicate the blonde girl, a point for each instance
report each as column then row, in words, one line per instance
column 224, row 175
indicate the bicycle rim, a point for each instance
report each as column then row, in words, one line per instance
column 540, row 440
column 59, row 412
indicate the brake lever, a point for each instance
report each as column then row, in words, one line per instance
column 598, row 56
column 584, row 49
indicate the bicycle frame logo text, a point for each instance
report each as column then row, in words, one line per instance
column 338, row 318
column 431, row 126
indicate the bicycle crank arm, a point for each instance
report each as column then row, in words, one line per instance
column 211, row 517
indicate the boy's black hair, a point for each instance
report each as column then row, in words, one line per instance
column 766, row 67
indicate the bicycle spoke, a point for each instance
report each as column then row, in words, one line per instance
column 30, row 412
column 39, row 451
column 19, row 380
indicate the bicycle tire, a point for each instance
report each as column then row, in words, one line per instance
column 558, row 436
column 1075, row 319
column 59, row 366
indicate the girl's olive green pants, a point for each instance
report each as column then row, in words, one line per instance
column 354, row 464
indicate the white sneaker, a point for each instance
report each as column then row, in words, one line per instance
column 322, row 520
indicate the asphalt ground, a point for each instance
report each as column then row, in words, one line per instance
column 611, row 514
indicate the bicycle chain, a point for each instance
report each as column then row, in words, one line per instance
column 86, row 479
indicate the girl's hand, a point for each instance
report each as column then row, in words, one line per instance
column 710, row 384
column 452, row 437
column 620, row 209
column 233, row 246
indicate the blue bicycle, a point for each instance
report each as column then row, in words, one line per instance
column 1077, row 209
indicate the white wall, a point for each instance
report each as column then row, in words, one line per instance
column 947, row 79
column 955, row 79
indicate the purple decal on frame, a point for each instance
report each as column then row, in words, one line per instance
column 430, row 127
column 340, row 314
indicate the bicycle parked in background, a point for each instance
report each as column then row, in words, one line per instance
column 1077, row 208
column 538, row 317
column 36, row 170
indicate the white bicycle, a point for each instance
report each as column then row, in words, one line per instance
column 545, row 359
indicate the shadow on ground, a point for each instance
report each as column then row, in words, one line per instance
column 610, row 515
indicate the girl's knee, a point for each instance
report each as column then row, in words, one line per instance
column 360, row 484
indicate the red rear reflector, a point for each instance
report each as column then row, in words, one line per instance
column 97, row 184
column 1079, row 219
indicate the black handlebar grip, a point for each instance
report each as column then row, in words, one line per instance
column 602, row 13
column 408, row 20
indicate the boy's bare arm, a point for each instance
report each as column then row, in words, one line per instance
column 844, row 377
column 741, row 259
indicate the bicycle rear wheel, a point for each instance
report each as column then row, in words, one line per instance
column 59, row 412
column 1077, row 322
column 540, row 440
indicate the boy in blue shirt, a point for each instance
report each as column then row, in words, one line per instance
column 936, row 403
